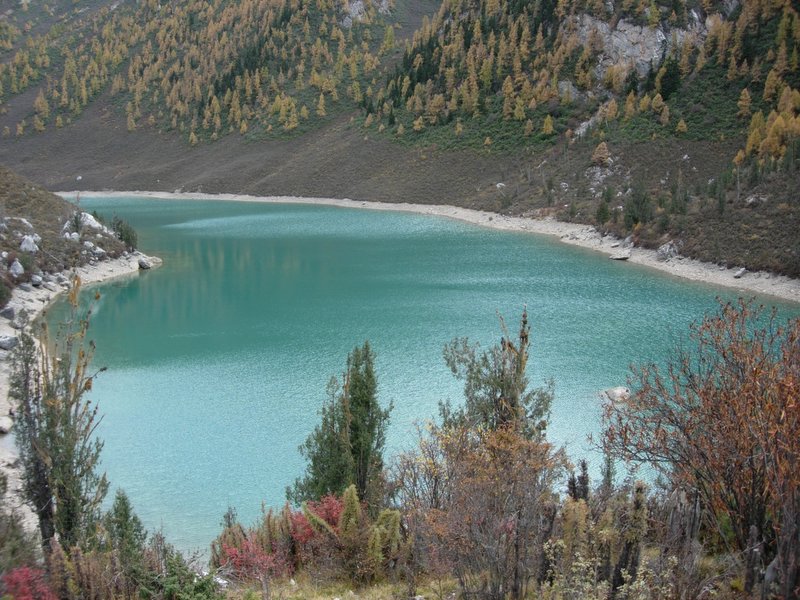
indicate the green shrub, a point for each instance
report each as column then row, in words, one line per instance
column 639, row 209
column 125, row 232
column 5, row 292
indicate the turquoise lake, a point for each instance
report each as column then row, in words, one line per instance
column 218, row 361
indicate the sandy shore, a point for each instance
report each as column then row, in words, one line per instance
column 34, row 302
column 584, row 236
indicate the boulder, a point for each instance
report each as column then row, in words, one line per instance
column 89, row 222
column 667, row 251
column 7, row 342
column 25, row 287
column 144, row 264
column 5, row 424
column 16, row 269
column 739, row 273
column 8, row 312
column 36, row 280
column 616, row 394
column 623, row 254
column 28, row 244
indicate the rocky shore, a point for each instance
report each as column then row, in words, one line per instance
column 34, row 300
column 666, row 259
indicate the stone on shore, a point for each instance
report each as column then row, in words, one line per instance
column 5, row 425
column 740, row 273
column 616, row 394
column 624, row 254
column 7, row 342
column 144, row 264
column 8, row 312
column 667, row 251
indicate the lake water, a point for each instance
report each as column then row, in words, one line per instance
column 218, row 361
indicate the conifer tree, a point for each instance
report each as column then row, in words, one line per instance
column 55, row 429
column 496, row 386
column 346, row 448
column 744, row 104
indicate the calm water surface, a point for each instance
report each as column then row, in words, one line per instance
column 218, row 361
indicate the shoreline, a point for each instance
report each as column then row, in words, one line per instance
column 584, row 236
column 35, row 302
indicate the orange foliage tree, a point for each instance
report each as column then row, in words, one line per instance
column 723, row 419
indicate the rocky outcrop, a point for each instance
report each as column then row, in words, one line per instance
column 636, row 45
column 667, row 251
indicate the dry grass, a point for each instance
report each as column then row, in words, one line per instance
column 307, row 588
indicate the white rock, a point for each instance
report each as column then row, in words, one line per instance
column 7, row 342
column 5, row 424
column 623, row 254
column 36, row 280
column 16, row 269
column 739, row 273
column 667, row 251
column 28, row 244
column 616, row 394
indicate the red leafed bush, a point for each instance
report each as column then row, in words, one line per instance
column 328, row 508
column 300, row 528
column 250, row 561
column 24, row 583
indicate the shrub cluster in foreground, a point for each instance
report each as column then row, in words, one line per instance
column 484, row 505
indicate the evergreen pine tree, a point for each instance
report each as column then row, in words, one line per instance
column 327, row 450
column 55, row 429
column 346, row 448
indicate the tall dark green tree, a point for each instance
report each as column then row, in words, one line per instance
column 327, row 449
column 368, row 421
column 55, row 428
column 347, row 446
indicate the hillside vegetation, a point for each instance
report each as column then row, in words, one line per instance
column 42, row 234
column 665, row 120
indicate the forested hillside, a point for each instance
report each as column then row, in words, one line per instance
column 668, row 120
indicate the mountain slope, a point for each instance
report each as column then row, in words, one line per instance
column 663, row 120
